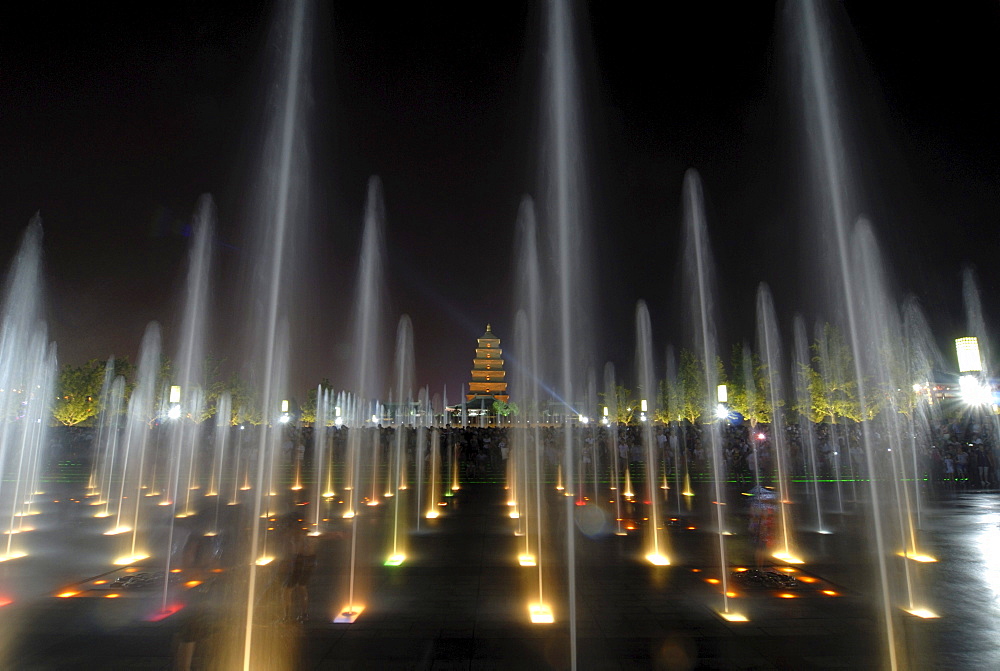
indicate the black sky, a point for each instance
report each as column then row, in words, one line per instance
column 113, row 122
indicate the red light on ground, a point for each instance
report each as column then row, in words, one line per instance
column 581, row 503
column 100, row 582
column 830, row 592
column 66, row 595
column 5, row 601
column 712, row 581
column 164, row 614
column 112, row 596
column 786, row 595
column 696, row 570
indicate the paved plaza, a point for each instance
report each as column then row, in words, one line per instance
column 460, row 602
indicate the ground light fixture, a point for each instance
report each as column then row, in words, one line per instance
column 540, row 613
column 348, row 614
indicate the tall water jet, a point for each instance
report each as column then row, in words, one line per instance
column 698, row 271
column 656, row 541
column 184, row 429
column 885, row 363
column 27, row 365
column 610, row 421
column 671, row 397
column 801, row 382
column 563, row 167
column 770, row 348
column 829, row 163
column 104, row 440
column 141, row 405
column 404, row 393
column 283, row 192
column 919, row 358
column 366, row 373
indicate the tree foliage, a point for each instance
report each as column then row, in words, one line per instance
column 748, row 387
column 79, row 392
column 624, row 404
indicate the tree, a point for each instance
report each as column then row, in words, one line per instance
column 695, row 400
column 625, row 404
column 669, row 406
column 79, row 392
column 748, row 387
column 307, row 412
column 833, row 387
column 505, row 409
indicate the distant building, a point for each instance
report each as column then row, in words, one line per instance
column 489, row 379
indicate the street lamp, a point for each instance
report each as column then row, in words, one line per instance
column 175, row 402
column 969, row 359
column 722, row 394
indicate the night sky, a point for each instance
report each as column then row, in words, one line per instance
column 114, row 122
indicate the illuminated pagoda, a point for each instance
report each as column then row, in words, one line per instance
column 489, row 379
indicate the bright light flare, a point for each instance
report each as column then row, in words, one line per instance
column 349, row 515
column 432, row 514
column 526, row 559
column 540, row 613
column 113, row 595
column 4, row 601
column 192, row 583
column 122, row 561
column 788, row 595
column 264, row 561
column 348, row 614
column 786, row 557
column 922, row 558
column 922, row 613
column 67, row 594
column 514, row 515
column 12, row 555
column 734, row 617
column 656, row 559
column 117, row 530
column 974, row 392
column 395, row 559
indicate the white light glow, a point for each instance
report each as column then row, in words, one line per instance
column 540, row 614
column 969, row 360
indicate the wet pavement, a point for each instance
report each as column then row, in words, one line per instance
column 460, row 601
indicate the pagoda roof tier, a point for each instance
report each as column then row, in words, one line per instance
column 469, row 398
column 496, row 364
column 487, row 386
column 486, row 353
column 482, row 372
